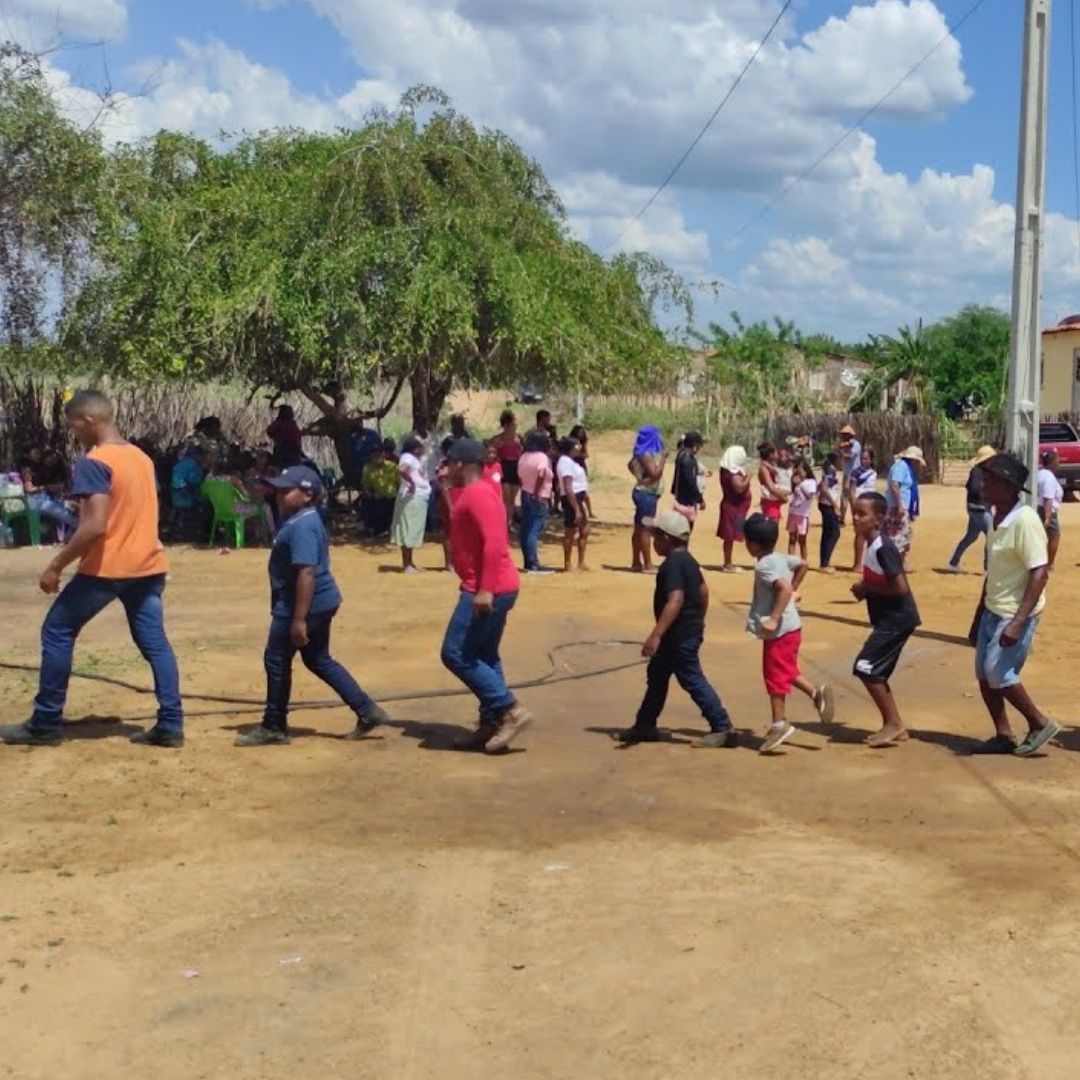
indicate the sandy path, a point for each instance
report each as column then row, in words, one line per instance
column 573, row 909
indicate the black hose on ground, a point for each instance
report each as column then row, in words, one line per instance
column 550, row 678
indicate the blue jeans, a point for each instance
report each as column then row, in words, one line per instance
column 278, row 660
column 979, row 522
column 84, row 597
column 680, row 658
column 995, row 665
column 645, row 504
column 534, row 514
column 470, row 650
column 51, row 507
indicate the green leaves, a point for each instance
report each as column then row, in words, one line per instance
column 403, row 249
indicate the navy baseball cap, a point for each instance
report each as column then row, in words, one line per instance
column 468, row 452
column 297, row 476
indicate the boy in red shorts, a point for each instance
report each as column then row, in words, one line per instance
column 774, row 619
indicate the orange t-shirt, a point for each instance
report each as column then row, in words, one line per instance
column 131, row 547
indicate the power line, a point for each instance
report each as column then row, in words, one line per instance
column 1075, row 123
column 701, row 134
column 787, row 189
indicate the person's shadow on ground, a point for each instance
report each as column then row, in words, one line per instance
column 444, row 737
column 100, row 727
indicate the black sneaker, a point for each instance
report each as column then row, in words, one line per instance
column 365, row 725
column 25, row 735
column 479, row 738
column 996, row 744
column 171, row 740
column 634, row 735
column 263, row 736
column 718, row 740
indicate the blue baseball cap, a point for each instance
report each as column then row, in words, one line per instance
column 297, row 476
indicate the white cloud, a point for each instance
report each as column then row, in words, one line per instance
column 608, row 95
column 211, row 88
column 597, row 204
column 622, row 88
column 41, row 24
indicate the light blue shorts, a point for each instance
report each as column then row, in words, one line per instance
column 999, row 667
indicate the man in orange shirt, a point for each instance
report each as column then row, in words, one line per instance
column 120, row 558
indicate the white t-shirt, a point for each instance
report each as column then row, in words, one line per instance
column 417, row 473
column 802, row 498
column 1050, row 489
column 567, row 466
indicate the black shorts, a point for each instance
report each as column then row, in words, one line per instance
column 510, row 475
column 568, row 515
column 880, row 654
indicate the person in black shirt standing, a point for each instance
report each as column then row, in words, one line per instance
column 688, row 497
column 892, row 611
column 979, row 517
column 680, row 602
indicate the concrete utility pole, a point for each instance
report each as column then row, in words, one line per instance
column 1025, row 360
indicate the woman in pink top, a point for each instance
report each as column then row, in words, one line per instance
column 508, row 448
column 537, row 478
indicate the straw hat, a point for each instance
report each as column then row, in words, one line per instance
column 984, row 453
column 914, row 453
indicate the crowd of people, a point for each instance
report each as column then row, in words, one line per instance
column 115, row 540
column 537, row 475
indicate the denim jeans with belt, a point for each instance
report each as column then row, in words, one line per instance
column 278, row 660
column 84, row 597
column 470, row 650
column 534, row 513
column 680, row 658
column 979, row 524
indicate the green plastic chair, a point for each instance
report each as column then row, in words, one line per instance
column 223, row 498
column 14, row 508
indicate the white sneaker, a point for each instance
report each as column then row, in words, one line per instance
column 776, row 737
column 825, row 703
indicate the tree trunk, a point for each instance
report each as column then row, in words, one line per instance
column 338, row 421
column 430, row 389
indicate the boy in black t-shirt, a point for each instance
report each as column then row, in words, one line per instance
column 892, row 612
column 679, row 606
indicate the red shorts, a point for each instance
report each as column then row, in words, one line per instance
column 772, row 510
column 780, row 663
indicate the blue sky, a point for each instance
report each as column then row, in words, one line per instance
column 912, row 218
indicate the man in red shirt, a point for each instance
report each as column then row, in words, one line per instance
column 489, row 589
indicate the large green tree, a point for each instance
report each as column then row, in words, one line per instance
column 418, row 250
column 50, row 205
column 971, row 354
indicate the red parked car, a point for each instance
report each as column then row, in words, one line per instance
column 1062, row 437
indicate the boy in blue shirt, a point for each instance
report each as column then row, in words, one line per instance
column 304, row 600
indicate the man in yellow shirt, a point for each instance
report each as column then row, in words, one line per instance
column 1017, row 569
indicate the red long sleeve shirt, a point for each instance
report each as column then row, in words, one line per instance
column 479, row 542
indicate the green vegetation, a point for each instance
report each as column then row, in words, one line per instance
column 417, row 251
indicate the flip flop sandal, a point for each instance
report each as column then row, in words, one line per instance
column 996, row 744
column 879, row 744
column 1036, row 740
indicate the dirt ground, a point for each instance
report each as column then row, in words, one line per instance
column 388, row 910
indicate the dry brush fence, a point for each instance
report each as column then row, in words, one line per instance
column 887, row 434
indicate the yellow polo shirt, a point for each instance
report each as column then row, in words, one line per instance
column 1015, row 548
